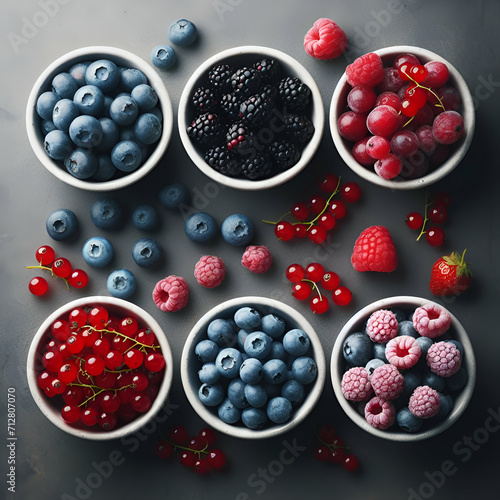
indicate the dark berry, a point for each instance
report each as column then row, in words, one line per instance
column 205, row 128
column 294, row 94
column 239, row 139
column 230, row 106
column 298, row 128
column 269, row 70
column 284, row 154
column 257, row 108
column 245, row 82
column 204, row 99
column 220, row 77
column 223, row 161
column 257, row 166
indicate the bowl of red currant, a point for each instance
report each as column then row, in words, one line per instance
column 402, row 117
column 100, row 368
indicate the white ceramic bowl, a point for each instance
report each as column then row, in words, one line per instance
column 122, row 58
column 339, row 105
column 51, row 407
column 238, row 57
column 338, row 366
column 190, row 366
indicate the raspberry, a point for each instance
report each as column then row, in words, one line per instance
column 443, row 359
column 431, row 320
column 424, row 402
column 382, row 326
column 379, row 413
column 209, row 271
column 356, row 385
column 374, row 251
column 171, row 293
column 387, row 382
column 257, row 259
column 325, row 40
column 403, row 351
column 365, row 70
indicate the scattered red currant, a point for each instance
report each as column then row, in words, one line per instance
column 38, row 285
column 319, row 304
column 295, row 273
column 414, row 220
column 314, row 272
column 350, row 192
column 333, row 449
column 342, row 296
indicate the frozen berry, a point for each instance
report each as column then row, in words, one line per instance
column 257, row 259
column 365, row 70
column 209, row 271
column 171, row 293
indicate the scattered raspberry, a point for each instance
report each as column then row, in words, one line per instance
column 365, row 70
column 257, row 258
column 424, row 402
column 374, row 250
column 209, row 271
column 443, row 358
column 382, row 326
column 431, row 320
column 171, row 293
column 380, row 413
column 403, row 352
column 325, row 40
column 356, row 385
column 387, row 382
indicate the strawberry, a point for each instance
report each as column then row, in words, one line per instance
column 450, row 275
column 374, row 250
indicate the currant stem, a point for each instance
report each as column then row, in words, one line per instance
column 440, row 105
column 104, row 330
column 331, row 446
column 315, row 287
column 426, row 218
column 50, row 271
column 180, row 447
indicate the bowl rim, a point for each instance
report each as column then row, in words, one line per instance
column 460, row 403
column 448, row 166
column 99, row 52
column 318, row 119
column 239, row 431
column 53, row 416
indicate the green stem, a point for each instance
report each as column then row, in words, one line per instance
column 426, row 218
column 180, row 447
column 50, row 271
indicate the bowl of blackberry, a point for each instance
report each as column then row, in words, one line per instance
column 402, row 117
column 251, row 118
column 99, row 118
column 403, row 368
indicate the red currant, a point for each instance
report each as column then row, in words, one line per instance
column 78, row 278
column 319, row 305
column 38, row 286
column 133, row 358
column 350, row 192
column 327, row 221
column 404, row 71
column 121, row 344
column 68, row 372
column 141, row 402
column 338, row 209
column 98, row 317
column 52, row 361
column 417, row 95
column 71, row 414
column 89, row 337
column 164, row 450
column 89, row 416
column 187, row 458
column 438, row 213
column 317, row 234
column 409, row 107
column 106, row 379
column 60, row 330
column 78, row 317
column 300, row 211
column 300, row 231
column 435, row 236
column 350, row 462
column 101, row 346
column 94, row 365
column 110, row 402
column 57, row 386
column 418, row 72
column 201, row 465
column 73, row 395
column 328, row 183
column 301, row 290
column 146, row 336
column 154, row 362
column 113, row 360
column 330, row 280
column 442, row 197
column 414, row 220
column 342, row 296
column 107, row 421
column 45, row 255
column 294, row 273
column 317, row 204
column 178, row 434
column 128, row 326
column 322, row 453
column 216, row 458
column 314, row 272
column 208, row 436
column 284, row 230
column 326, row 433
column 336, row 455
column 61, row 267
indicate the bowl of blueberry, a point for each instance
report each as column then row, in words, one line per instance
column 403, row 368
column 253, row 367
column 251, row 117
column 402, row 117
column 100, row 368
column 99, row 118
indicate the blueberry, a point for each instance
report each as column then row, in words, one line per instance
column 228, row 413
column 277, row 351
column 457, row 381
column 147, row 252
column 97, row 251
column 121, row 283
column 57, row 144
column 358, row 349
column 90, row 100
column 65, row 111
column 294, row 392
column 275, row 371
column 182, row 32
column 61, row 224
column 458, row 345
column 47, row 126
column 296, row 342
column 206, row 350
column 208, row 374
column 372, row 365
column 200, row 227
column 211, row 394
column 163, row 56
column 379, row 351
column 242, row 335
column 147, row 128
column 77, row 71
column 435, row 381
column 406, row 328
column 174, row 195
column 258, row 345
column 124, row 110
column 445, row 406
column 45, row 104
column 127, row 156
column 64, row 85
column 255, row 395
column 304, row 370
column 104, row 74
column 106, row 213
column 228, row 362
column 145, row 97
column 400, row 315
column 236, row 393
column 279, row 410
column 105, row 168
column 412, row 380
column 146, row 218
column 254, row 418
column 131, row 78
column 424, row 343
column 86, row 131
column 407, row 421
column 273, row 325
column 81, row 163
column 221, row 331
column 247, row 318
column 237, row 230
column 110, row 134
column 251, row 371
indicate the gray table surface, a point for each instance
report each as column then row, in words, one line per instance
column 52, row 465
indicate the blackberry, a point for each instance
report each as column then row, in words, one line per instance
column 284, row 154
column 257, row 108
column 298, row 128
column 230, row 105
column 294, row 94
column 223, row 161
column 257, row 166
column 269, row 70
column 219, row 78
column 245, row 82
column 204, row 99
column 240, row 139
column 205, row 128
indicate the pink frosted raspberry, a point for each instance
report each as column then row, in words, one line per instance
column 380, row 413
column 209, row 271
column 257, row 259
column 171, row 293
column 356, row 385
column 443, row 359
column 403, row 351
column 387, row 382
column 365, row 70
column 424, row 402
column 382, row 326
column 431, row 320
column 325, row 40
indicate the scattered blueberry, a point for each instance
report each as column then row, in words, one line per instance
column 121, row 284
column 147, row 252
column 62, row 224
column 200, row 227
column 146, row 218
column 97, row 251
column 106, row 213
column 182, row 32
column 163, row 56
column 237, row 230
column 174, row 195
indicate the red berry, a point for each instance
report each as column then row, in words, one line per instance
column 330, row 280
column 178, row 434
column 60, row 330
column 301, row 290
column 336, row 455
column 201, row 465
column 52, row 361
column 416, row 94
column 294, row 273
column 128, row 326
column 284, row 230
column 435, row 236
column 314, row 272
column 414, row 220
column 338, row 209
column 326, row 433
column 78, row 317
column 94, row 365
column 78, row 278
column 141, row 402
column 352, row 126
column 378, row 147
column 300, row 211
column 442, row 197
column 404, row 71
column 101, row 346
column 317, row 204
column 327, row 221
column 164, row 450
column 328, row 183
column 322, row 453
column 208, row 436
column 350, row 192
column 187, row 458
column 216, row 458
column 383, row 120
column 438, row 213
column 300, row 231
column 61, row 267
column 45, row 255
column 409, row 107
column 389, row 166
column 71, row 414
column 107, row 421
column 68, row 372
column 350, row 462
column 98, row 317
column 89, row 416
column 154, row 362
column 38, row 285
column 317, row 234
column 319, row 305
column 133, row 358
column 342, row 296
column 110, row 402
column 113, row 360
column 146, row 336
column 74, row 344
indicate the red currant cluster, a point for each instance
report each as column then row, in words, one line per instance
column 59, row 267
column 107, row 369
column 194, row 452
column 435, row 211
column 324, row 211
column 333, row 449
column 307, row 280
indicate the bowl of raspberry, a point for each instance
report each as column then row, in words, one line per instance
column 251, row 118
column 403, row 368
column 402, row 117
column 99, row 118
column 100, row 368
column 253, row 368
